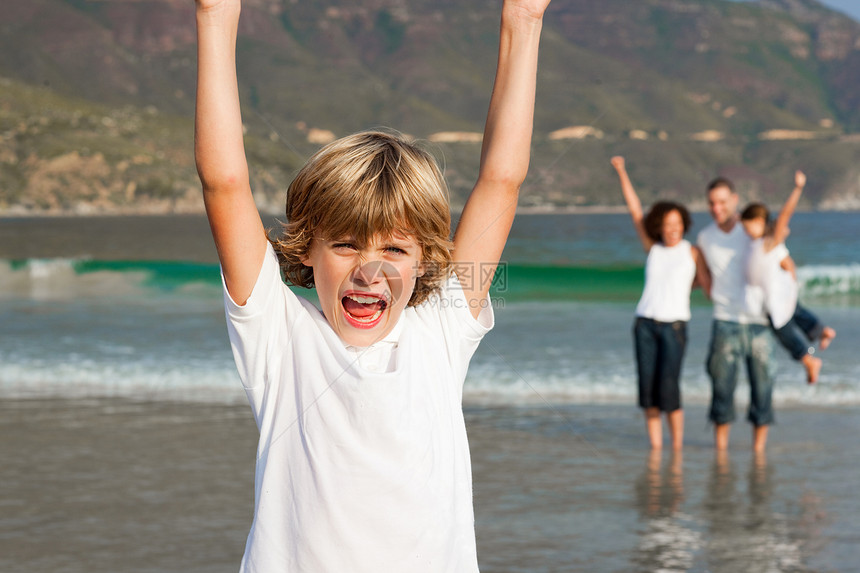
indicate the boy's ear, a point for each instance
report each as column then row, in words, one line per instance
column 306, row 260
column 306, row 257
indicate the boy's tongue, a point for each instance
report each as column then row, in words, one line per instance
column 361, row 310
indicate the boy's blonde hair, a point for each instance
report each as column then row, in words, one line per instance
column 362, row 186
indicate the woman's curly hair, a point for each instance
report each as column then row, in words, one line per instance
column 366, row 185
column 654, row 218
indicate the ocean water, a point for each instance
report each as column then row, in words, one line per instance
column 127, row 444
column 131, row 307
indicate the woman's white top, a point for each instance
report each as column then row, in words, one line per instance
column 780, row 288
column 669, row 274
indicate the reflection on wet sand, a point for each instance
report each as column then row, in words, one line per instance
column 667, row 541
column 745, row 532
column 732, row 521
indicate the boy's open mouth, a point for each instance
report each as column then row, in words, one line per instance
column 363, row 310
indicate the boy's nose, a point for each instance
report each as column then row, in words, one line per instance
column 373, row 273
column 370, row 272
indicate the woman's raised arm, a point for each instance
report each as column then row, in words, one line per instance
column 634, row 205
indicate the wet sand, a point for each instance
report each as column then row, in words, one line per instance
column 111, row 485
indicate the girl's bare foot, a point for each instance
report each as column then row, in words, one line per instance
column 827, row 336
column 813, row 368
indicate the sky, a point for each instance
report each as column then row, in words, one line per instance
column 850, row 7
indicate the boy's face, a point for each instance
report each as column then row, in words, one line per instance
column 754, row 227
column 363, row 289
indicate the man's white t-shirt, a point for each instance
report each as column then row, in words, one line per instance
column 357, row 470
column 726, row 254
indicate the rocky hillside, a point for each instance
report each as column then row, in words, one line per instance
column 96, row 97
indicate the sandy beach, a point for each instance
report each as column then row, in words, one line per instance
column 113, row 485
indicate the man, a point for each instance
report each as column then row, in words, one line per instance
column 740, row 332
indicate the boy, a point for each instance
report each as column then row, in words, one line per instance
column 363, row 463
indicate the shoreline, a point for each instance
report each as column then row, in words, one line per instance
column 139, row 403
column 521, row 210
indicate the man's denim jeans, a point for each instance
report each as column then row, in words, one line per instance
column 732, row 346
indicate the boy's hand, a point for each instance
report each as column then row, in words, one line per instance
column 212, row 6
column 799, row 179
column 530, row 8
column 617, row 162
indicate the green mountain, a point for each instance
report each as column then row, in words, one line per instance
column 96, row 97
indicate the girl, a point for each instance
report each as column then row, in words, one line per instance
column 770, row 267
column 660, row 330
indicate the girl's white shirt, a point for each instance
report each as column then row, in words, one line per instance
column 780, row 288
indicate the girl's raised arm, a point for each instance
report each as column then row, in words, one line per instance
column 487, row 217
column 780, row 227
column 220, row 151
column 633, row 203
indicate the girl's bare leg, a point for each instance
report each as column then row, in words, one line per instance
column 812, row 366
column 827, row 336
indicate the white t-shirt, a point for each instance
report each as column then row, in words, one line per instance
column 669, row 274
column 734, row 299
column 357, row 470
column 780, row 288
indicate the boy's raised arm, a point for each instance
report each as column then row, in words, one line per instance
column 487, row 217
column 220, row 151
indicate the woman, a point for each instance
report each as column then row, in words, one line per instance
column 660, row 330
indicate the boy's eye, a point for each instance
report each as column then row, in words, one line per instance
column 343, row 245
column 395, row 250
